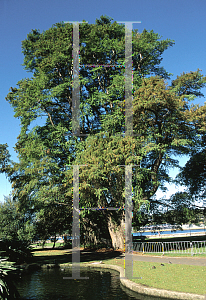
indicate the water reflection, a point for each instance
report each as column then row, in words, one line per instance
column 49, row 284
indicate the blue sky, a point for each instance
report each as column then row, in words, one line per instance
column 183, row 21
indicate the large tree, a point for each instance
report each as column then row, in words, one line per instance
column 163, row 120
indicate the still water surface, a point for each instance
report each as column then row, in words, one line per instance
column 49, row 285
column 168, row 232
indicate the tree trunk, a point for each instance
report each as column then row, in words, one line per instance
column 116, row 233
column 54, row 241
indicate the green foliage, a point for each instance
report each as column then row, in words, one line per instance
column 193, row 174
column 53, row 219
column 7, row 288
column 18, row 251
column 13, row 223
column 4, row 158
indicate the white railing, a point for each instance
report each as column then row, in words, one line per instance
column 192, row 248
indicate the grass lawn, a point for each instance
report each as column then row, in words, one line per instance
column 47, row 245
column 181, row 278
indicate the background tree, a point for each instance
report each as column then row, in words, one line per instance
column 179, row 209
column 193, row 174
column 16, row 232
column 53, row 220
column 13, row 223
column 163, row 119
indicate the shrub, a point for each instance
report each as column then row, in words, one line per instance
column 7, row 287
column 18, row 251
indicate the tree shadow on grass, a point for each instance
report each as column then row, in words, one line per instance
column 66, row 256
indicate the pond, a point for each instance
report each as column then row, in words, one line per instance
column 49, row 284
